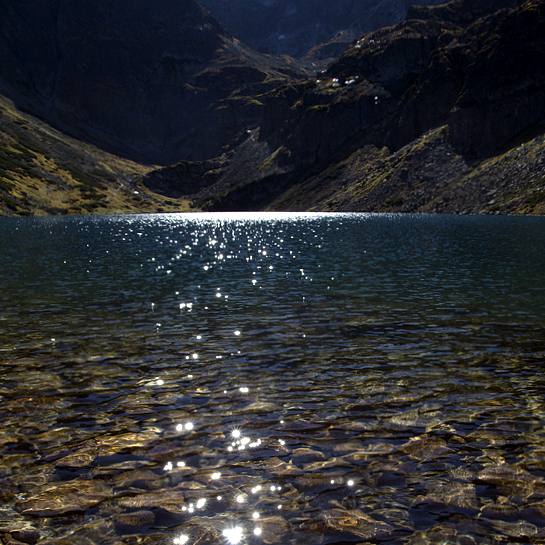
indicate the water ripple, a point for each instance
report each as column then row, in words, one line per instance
column 272, row 379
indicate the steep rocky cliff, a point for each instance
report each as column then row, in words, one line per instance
column 158, row 81
column 394, row 84
column 471, row 75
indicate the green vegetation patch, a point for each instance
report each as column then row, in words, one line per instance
column 84, row 178
column 537, row 198
column 17, row 206
column 28, row 143
column 93, row 206
column 5, row 185
column 275, row 158
column 17, row 162
column 9, row 202
column 103, row 173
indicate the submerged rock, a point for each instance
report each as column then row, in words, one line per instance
column 10, row 540
column 511, row 480
column 65, row 498
column 426, row 448
column 153, row 500
column 459, row 497
column 129, row 522
column 520, row 529
column 273, row 529
column 355, row 522
column 26, row 535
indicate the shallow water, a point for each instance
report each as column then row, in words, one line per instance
column 275, row 379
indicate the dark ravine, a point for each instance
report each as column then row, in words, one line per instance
column 320, row 28
column 443, row 112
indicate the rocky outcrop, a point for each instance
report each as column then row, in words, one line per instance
column 474, row 73
column 459, row 12
column 503, row 97
column 487, row 84
column 357, row 97
column 141, row 78
column 395, row 84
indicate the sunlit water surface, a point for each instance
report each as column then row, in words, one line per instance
column 282, row 379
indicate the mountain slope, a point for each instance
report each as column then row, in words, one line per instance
column 444, row 112
column 427, row 176
column 44, row 172
column 454, row 88
column 156, row 81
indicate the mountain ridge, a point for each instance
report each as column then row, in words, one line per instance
column 442, row 112
column 295, row 27
column 473, row 80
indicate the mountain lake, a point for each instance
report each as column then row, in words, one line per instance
column 248, row 378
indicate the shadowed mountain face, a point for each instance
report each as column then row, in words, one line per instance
column 136, row 76
column 447, row 64
column 468, row 76
column 293, row 27
column 429, row 114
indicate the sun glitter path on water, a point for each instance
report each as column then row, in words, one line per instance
column 235, row 531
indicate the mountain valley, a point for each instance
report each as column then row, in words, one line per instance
column 441, row 112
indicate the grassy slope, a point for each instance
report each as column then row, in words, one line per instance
column 43, row 171
column 427, row 176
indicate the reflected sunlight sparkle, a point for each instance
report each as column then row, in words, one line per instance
column 233, row 535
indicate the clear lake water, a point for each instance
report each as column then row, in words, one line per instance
column 272, row 379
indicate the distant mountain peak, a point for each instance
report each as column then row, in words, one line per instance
column 294, row 27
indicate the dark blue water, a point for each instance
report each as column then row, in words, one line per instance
column 290, row 378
